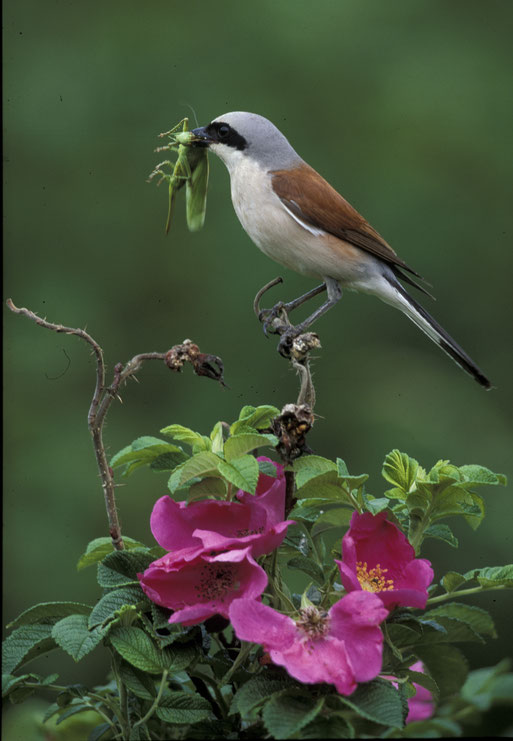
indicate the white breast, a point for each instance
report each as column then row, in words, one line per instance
column 280, row 235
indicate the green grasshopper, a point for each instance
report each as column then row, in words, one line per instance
column 190, row 169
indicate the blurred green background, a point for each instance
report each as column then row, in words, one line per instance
column 405, row 107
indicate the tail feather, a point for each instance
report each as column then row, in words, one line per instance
column 434, row 331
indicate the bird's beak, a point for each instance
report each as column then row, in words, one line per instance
column 202, row 139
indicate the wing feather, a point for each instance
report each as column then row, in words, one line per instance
column 311, row 199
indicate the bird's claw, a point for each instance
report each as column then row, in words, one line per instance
column 267, row 318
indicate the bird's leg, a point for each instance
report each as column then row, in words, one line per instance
column 334, row 295
column 266, row 316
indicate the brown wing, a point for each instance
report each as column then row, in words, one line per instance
column 312, row 199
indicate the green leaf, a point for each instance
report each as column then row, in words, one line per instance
column 492, row 576
column 207, row 488
column 483, row 687
column 98, row 548
column 267, row 468
column 238, row 445
column 376, row 505
column 479, row 475
column 353, row 482
column 441, row 531
column 199, row 465
column 139, row 683
column 147, row 451
column 478, row 619
column 49, row 612
column 327, row 485
column 217, row 439
column 446, row 664
column 338, row 516
column 310, row 466
column 377, row 701
column 286, row 713
column 113, row 601
column 179, row 656
column 328, row 727
column 308, row 566
column 120, row 568
column 73, row 636
column 26, row 643
column 255, row 691
column 400, row 470
column 197, row 442
column 259, row 418
column 136, row 647
column 452, row 580
column 183, row 708
column 241, row 472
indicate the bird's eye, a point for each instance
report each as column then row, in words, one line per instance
column 223, row 131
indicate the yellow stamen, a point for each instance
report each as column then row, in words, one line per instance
column 373, row 580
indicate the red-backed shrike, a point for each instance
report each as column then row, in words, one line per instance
column 296, row 218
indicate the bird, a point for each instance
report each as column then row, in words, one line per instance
column 295, row 217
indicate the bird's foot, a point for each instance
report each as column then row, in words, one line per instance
column 272, row 320
column 295, row 343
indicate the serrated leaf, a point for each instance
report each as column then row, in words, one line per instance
column 441, row 531
column 327, row 485
column 335, row 517
column 183, row 708
column 178, row 656
column 311, row 509
column 201, row 464
column 73, row 636
column 400, row 470
column 478, row 619
column 258, row 418
column 207, row 488
column 328, row 727
column 120, row 568
column 479, row 475
column 446, row 664
column 197, row 442
column 136, row 647
column 98, row 548
column 26, row 643
column 48, row 612
column 310, row 466
column 308, row 566
column 139, row 683
column 452, row 580
column 238, row 445
column 241, row 472
column 113, row 601
column 255, row 691
column 376, row 505
column 267, row 468
column 353, row 482
column 377, row 701
column 287, row 713
column 491, row 577
column 144, row 451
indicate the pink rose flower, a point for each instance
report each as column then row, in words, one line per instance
column 202, row 586
column 342, row 647
column 377, row 557
column 215, row 526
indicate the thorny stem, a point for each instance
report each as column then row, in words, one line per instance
column 204, row 365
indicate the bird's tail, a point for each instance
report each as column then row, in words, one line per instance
column 400, row 298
